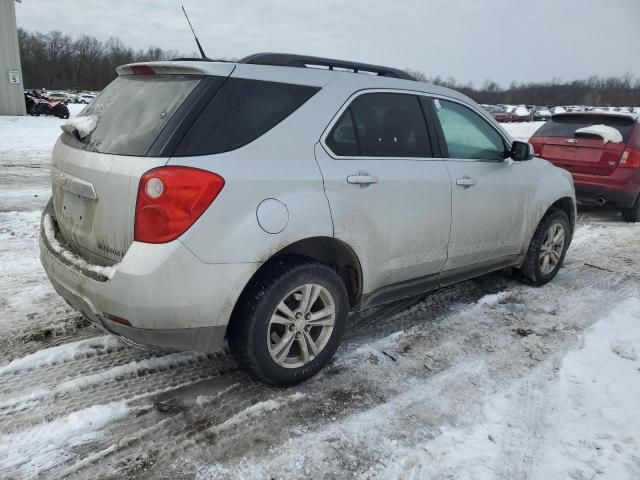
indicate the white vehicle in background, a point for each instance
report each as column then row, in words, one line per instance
column 60, row 96
column 259, row 202
column 86, row 97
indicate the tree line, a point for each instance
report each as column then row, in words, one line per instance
column 593, row 91
column 58, row 61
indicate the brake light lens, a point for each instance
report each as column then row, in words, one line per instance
column 142, row 70
column 630, row 159
column 171, row 199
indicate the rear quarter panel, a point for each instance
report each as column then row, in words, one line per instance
column 279, row 165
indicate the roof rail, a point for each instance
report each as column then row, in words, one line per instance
column 306, row 61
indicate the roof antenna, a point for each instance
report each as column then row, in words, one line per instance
column 204, row 57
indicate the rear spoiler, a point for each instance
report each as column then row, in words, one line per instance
column 166, row 68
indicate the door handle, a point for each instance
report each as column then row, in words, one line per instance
column 362, row 179
column 465, row 182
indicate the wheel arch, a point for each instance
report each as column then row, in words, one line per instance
column 327, row 250
column 567, row 205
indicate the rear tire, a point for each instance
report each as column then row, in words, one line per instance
column 547, row 249
column 632, row 214
column 277, row 336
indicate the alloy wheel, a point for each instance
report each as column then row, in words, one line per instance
column 301, row 325
column 552, row 247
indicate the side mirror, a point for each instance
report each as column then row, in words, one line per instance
column 521, row 151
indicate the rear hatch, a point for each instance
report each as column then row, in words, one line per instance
column 103, row 152
column 558, row 142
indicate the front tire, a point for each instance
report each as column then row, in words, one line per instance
column 632, row 214
column 289, row 321
column 547, row 249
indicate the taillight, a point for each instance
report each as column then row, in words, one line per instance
column 171, row 199
column 630, row 159
column 537, row 145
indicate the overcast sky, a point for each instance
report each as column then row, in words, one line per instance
column 470, row 40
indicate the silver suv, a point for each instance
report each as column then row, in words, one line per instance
column 259, row 202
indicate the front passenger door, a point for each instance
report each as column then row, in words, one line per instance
column 489, row 195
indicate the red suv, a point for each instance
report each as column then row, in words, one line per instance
column 605, row 166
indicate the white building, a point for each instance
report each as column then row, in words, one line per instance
column 11, row 87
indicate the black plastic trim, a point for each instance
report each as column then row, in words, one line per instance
column 416, row 286
column 432, row 119
column 174, row 131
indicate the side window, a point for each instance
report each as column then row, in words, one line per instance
column 241, row 111
column 342, row 139
column 467, row 134
column 386, row 125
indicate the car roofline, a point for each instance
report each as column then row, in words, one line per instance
column 305, row 75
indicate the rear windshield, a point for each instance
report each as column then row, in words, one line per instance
column 566, row 125
column 241, row 111
column 131, row 112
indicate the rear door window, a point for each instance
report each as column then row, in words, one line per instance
column 241, row 111
column 467, row 135
column 390, row 125
column 129, row 114
column 566, row 125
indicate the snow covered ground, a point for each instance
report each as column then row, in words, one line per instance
column 488, row 379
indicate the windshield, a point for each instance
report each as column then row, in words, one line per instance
column 130, row 113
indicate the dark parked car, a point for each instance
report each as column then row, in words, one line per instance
column 602, row 152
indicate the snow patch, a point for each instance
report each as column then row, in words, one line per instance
column 607, row 133
column 44, row 446
column 258, row 409
column 495, row 298
column 521, row 111
column 71, row 257
column 595, row 423
column 110, row 375
column 62, row 353
column 624, row 350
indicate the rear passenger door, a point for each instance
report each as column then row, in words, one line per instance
column 489, row 195
column 390, row 198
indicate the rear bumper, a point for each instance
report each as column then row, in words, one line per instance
column 620, row 188
column 170, row 297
